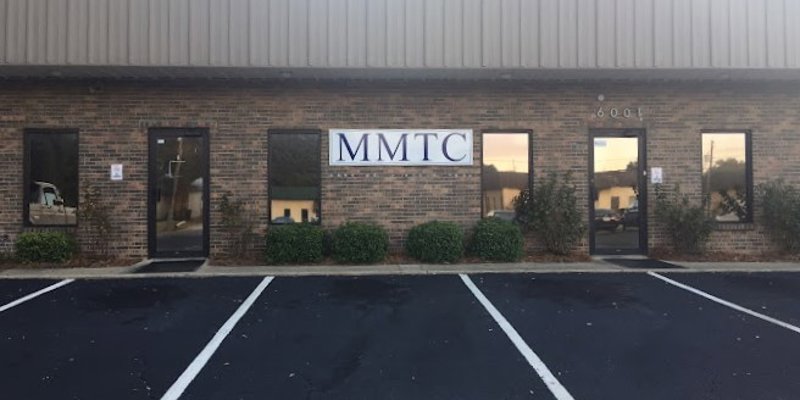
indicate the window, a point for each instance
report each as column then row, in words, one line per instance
column 615, row 203
column 727, row 176
column 294, row 176
column 506, row 160
column 51, row 177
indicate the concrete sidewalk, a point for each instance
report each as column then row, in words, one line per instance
column 597, row 265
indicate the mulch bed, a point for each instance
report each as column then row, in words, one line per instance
column 401, row 259
column 78, row 262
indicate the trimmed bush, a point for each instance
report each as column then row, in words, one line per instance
column 48, row 247
column 360, row 243
column 436, row 242
column 497, row 240
column 551, row 213
column 781, row 203
column 327, row 243
column 688, row 226
column 292, row 244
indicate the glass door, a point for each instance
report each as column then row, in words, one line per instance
column 178, row 199
column 617, row 190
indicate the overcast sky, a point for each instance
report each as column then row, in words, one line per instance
column 507, row 152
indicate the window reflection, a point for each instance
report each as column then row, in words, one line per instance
column 725, row 186
column 616, row 193
column 505, row 172
column 180, row 183
column 294, row 177
column 52, row 177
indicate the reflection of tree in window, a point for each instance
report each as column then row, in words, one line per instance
column 505, row 172
column 180, row 180
column 725, row 177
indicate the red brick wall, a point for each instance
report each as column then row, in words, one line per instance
column 113, row 118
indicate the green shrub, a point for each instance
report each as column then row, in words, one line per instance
column 49, row 247
column 327, row 243
column 551, row 212
column 360, row 243
column 497, row 240
column 295, row 243
column 688, row 226
column 436, row 242
column 781, row 204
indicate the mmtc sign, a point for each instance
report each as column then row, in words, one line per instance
column 403, row 147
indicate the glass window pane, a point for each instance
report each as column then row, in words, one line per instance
column 294, row 177
column 615, row 190
column 725, row 191
column 180, row 168
column 505, row 172
column 52, row 178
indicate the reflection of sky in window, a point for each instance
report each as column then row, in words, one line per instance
column 506, row 151
column 726, row 146
column 614, row 154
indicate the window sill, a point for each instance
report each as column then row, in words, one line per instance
column 734, row 226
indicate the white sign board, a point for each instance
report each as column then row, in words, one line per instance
column 403, row 147
column 116, row 172
column 656, row 175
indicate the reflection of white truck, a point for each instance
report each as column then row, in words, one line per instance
column 46, row 206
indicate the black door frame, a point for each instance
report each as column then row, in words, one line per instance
column 153, row 135
column 641, row 134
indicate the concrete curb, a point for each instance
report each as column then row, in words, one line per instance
column 206, row 270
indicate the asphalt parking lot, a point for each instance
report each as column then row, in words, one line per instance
column 493, row 336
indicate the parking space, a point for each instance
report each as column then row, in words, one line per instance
column 602, row 336
column 367, row 338
column 121, row 339
column 776, row 294
column 13, row 289
column 630, row 336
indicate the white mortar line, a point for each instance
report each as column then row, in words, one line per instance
column 725, row 302
column 558, row 390
column 176, row 390
column 36, row 294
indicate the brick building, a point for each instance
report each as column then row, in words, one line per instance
column 166, row 106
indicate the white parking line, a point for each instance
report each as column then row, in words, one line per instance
column 558, row 390
column 176, row 390
column 36, row 294
column 725, row 302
